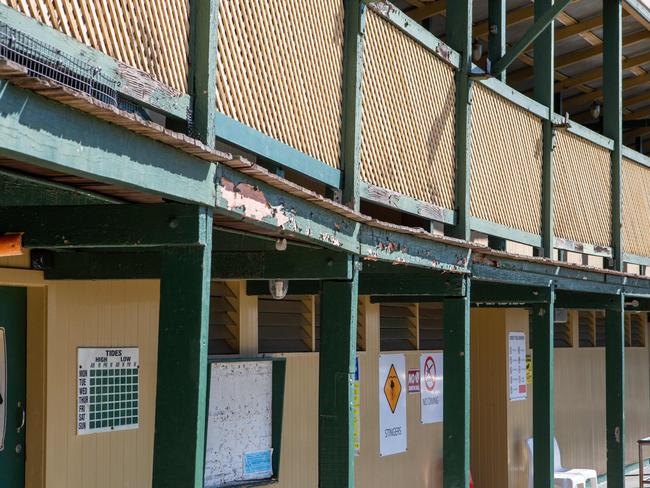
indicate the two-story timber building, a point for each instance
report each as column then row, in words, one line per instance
column 324, row 243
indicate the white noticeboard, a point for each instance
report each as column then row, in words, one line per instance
column 239, row 436
column 392, row 404
column 3, row 388
column 517, row 366
column 108, row 389
column 431, row 400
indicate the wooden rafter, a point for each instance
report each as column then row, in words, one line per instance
column 596, row 73
column 598, row 94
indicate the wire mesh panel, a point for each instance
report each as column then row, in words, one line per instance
column 506, row 171
column 150, row 35
column 407, row 142
column 582, row 190
column 636, row 208
column 280, row 71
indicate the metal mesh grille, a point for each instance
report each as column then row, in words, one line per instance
column 582, row 190
column 43, row 61
column 280, row 71
column 408, row 117
column 636, row 208
column 506, row 172
column 151, row 36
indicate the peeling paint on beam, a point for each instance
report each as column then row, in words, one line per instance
column 245, row 198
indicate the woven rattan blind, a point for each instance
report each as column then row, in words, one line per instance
column 408, row 116
column 506, row 172
column 636, row 208
column 582, row 190
column 280, row 71
column 150, row 35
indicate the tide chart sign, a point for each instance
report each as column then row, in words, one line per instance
column 392, row 404
column 431, row 387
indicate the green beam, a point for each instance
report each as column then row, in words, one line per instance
column 234, row 132
column 299, row 264
column 497, row 34
column 486, row 292
column 456, row 408
column 95, row 226
column 203, row 68
column 18, row 189
column 584, row 301
column 145, row 89
column 459, row 38
column 104, row 266
column 183, row 362
column 297, row 287
column 355, row 20
column 414, row 285
column 338, row 346
column 31, row 130
column 614, row 392
column 242, row 197
column 613, row 114
column 542, row 324
column 543, row 92
column 541, row 23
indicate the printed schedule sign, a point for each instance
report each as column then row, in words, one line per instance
column 107, row 389
column 517, row 366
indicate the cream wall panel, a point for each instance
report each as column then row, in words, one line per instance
column 95, row 314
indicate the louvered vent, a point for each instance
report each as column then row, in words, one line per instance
column 563, row 336
column 634, row 330
column 587, row 329
column 224, row 319
column 431, row 326
column 285, row 325
column 398, row 326
column 600, row 328
column 361, row 324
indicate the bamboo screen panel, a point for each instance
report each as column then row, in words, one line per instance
column 582, row 190
column 636, row 208
column 150, row 35
column 506, row 172
column 407, row 131
column 280, row 71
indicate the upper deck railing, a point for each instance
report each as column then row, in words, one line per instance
column 280, row 70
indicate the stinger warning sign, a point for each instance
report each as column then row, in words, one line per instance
column 392, row 404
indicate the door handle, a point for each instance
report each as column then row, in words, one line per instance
column 21, row 427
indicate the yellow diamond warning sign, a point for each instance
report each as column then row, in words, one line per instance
column 392, row 388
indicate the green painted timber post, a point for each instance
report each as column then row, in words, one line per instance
column 179, row 438
column 614, row 392
column 459, row 38
column 337, row 364
column 202, row 76
column 355, row 21
column 497, row 34
column 543, row 402
column 613, row 113
column 544, row 79
column 456, row 391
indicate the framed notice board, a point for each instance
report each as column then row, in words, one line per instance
column 243, row 421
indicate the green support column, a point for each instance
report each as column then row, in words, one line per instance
column 456, row 392
column 202, row 80
column 614, row 391
column 355, row 20
column 544, row 77
column 459, row 38
column 543, row 400
column 182, row 362
column 497, row 33
column 613, row 113
column 338, row 348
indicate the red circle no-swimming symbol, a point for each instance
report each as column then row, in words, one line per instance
column 429, row 374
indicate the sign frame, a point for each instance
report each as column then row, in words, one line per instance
column 279, row 367
column 431, row 389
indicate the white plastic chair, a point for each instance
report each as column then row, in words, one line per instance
column 588, row 474
column 563, row 479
